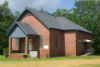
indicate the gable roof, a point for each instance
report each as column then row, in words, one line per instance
column 26, row 28
column 49, row 21
column 66, row 24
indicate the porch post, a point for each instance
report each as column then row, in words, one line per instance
column 26, row 45
column 10, row 46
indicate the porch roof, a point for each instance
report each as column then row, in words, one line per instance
column 25, row 28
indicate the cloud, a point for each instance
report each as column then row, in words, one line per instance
column 19, row 5
column 2, row 1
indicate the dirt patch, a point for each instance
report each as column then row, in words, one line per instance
column 58, row 63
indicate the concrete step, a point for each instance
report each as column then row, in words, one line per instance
column 86, row 54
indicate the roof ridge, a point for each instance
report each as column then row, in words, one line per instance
column 50, row 21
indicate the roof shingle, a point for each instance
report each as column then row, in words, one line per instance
column 60, row 23
column 50, row 21
column 27, row 28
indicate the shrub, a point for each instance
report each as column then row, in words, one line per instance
column 5, row 51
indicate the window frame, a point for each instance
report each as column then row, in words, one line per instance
column 41, row 40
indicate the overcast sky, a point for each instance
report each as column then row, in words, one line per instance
column 49, row 5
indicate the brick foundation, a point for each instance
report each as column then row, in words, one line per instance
column 16, row 56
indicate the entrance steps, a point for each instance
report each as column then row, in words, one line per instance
column 16, row 56
column 86, row 54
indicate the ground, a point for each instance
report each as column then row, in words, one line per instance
column 68, row 61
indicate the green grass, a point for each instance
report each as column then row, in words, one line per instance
column 29, row 61
column 2, row 58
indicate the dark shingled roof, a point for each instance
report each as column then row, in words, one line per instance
column 66, row 24
column 26, row 28
column 59, row 23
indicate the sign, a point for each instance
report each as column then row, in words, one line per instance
column 45, row 47
column 33, row 54
column 86, row 40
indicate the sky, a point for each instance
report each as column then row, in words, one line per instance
column 48, row 5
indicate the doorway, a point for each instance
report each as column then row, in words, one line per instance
column 30, row 45
column 86, row 47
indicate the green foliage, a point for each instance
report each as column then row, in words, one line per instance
column 87, row 14
column 5, row 51
column 6, row 17
column 62, row 12
column 43, row 11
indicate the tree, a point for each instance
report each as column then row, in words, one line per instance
column 17, row 13
column 63, row 12
column 43, row 11
column 6, row 17
column 87, row 14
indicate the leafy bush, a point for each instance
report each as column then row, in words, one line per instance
column 5, row 51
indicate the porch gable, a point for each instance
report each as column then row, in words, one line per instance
column 17, row 32
column 21, row 30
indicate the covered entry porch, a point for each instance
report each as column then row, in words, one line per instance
column 23, row 46
column 22, row 39
column 88, row 46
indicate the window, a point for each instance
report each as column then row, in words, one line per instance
column 56, row 41
column 41, row 41
column 80, row 43
column 16, row 42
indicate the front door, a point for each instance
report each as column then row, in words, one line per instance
column 30, row 44
column 86, row 47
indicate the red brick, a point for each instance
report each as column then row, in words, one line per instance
column 68, row 42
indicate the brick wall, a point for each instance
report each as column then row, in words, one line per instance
column 73, row 46
column 14, row 48
column 20, row 48
column 56, row 49
column 70, row 39
column 22, row 45
column 40, row 29
column 70, row 43
column 81, row 36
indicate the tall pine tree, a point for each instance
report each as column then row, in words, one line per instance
column 6, row 17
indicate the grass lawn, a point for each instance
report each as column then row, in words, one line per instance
column 68, row 61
